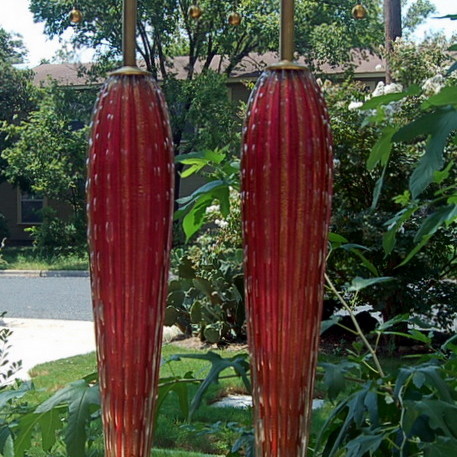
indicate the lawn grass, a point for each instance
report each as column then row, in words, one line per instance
column 173, row 431
column 211, row 431
column 26, row 258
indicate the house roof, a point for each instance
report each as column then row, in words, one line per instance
column 67, row 74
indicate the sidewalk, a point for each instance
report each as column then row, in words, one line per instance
column 46, row 273
column 36, row 341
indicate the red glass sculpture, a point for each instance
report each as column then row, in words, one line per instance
column 130, row 204
column 286, row 193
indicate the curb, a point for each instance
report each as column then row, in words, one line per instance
column 46, row 273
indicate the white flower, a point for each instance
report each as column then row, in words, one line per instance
column 354, row 105
column 221, row 223
column 393, row 88
column 433, row 85
column 212, row 209
column 379, row 89
column 378, row 67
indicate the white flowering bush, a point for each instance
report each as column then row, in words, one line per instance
column 373, row 204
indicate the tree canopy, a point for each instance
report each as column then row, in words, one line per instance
column 325, row 29
column 16, row 99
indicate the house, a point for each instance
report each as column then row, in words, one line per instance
column 20, row 209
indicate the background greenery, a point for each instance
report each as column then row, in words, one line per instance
column 392, row 246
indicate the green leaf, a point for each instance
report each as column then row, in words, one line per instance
column 7, row 395
column 446, row 96
column 206, row 189
column 363, row 444
column 335, row 238
column 196, row 166
column 377, row 188
column 365, row 262
column 374, row 102
column 178, row 385
column 208, row 155
column 333, row 379
column 434, row 380
column 203, row 285
column 8, row 448
column 223, row 196
column 445, row 214
column 394, row 224
column 361, row 283
column 401, row 318
column 218, row 364
column 80, row 396
column 195, row 218
column 26, row 427
column 351, row 246
column 441, row 447
column 440, row 176
column 5, row 439
column 441, row 416
column 350, row 412
column 414, row 251
column 412, row 335
column 451, row 69
column 195, row 205
column 382, row 148
column 47, row 421
column 437, row 126
column 79, row 412
column 452, row 17
column 198, row 160
column 326, row 324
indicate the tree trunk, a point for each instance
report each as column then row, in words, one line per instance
column 392, row 29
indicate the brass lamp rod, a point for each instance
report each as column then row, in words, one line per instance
column 129, row 33
column 287, row 39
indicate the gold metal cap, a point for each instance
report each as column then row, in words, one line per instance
column 286, row 65
column 129, row 70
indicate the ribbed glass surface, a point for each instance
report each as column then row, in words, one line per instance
column 286, row 197
column 130, row 203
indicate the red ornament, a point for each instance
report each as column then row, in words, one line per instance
column 130, row 205
column 286, row 197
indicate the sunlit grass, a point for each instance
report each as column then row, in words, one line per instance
column 173, row 431
column 26, row 258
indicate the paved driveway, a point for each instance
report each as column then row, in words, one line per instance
column 46, row 298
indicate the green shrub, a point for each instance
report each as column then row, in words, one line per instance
column 207, row 296
column 56, row 236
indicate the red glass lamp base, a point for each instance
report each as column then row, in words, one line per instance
column 130, row 204
column 286, row 197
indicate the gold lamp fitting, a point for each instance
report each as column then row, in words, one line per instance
column 359, row 12
column 75, row 16
column 194, row 12
column 234, row 18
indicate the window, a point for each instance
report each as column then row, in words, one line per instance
column 30, row 206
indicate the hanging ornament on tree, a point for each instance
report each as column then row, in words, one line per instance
column 194, row 12
column 359, row 11
column 75, row 16
column 234, row 18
